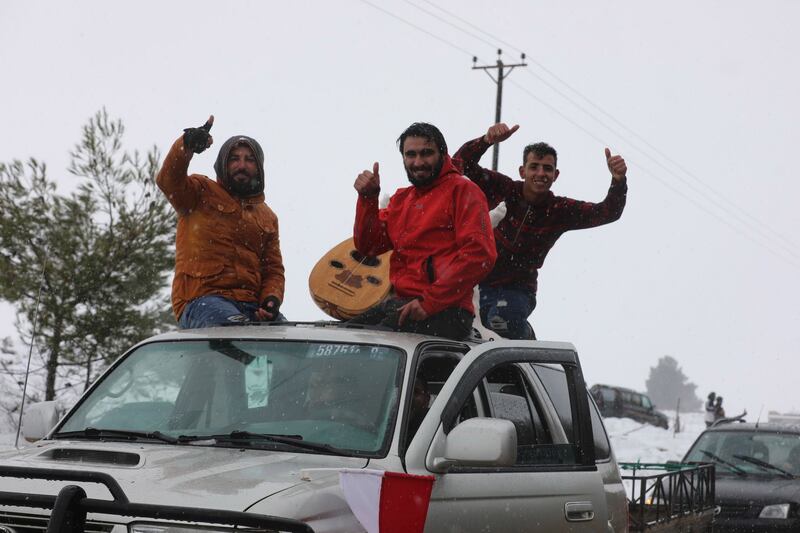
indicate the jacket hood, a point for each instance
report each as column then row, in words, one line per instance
column 220, row 165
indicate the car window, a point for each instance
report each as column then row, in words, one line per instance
column 607, row 394
column 511, row 398
column 506, row 393
column 646, row 403
column 631, row 398
column 741, row 451
column 555, row 382
column 433, row 370
column 340, row 394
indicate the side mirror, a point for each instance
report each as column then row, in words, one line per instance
column 38, row 419
column 479, row 442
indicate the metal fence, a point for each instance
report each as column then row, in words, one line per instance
column 660, row 494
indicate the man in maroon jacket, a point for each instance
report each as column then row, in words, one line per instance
column 440, row 234
column 535, row 219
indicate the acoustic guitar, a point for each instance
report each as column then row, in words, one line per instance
column 344, row 283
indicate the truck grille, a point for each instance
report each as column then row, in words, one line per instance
column 738, row 511
column 24, row 523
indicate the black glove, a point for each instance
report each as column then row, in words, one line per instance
column 196, row 139
column 271, row 305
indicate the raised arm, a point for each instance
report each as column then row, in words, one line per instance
column 172, row 177
column 588, row 214
column 370, row 235
column 495, row 186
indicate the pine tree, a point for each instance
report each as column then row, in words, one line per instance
column 97, row 258
column 667, row 384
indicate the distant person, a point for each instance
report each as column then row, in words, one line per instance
column 228, row 264
column 711, row 409
column 719, row 411
column 440, row 233
column 419, row 406
column 327, row 389
column 792, row 461
column 535, row 219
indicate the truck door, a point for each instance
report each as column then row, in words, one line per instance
column 551, row 484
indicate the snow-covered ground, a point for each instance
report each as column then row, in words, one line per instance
column 630, row 440
column 634, row 442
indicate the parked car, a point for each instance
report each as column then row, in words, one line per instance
column 626, row 403
column 260, row 420
column 757, row 475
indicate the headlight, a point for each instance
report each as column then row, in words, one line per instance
column 174, row 528
column 780, row 510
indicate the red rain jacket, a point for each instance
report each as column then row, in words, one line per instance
column 441, row 238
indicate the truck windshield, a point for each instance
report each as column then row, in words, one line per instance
column 342, row 395
column 756, row 453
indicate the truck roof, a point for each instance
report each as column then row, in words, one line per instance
column 330, row 331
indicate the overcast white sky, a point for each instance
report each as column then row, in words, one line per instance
column 699, row 97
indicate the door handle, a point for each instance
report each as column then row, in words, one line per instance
column 579, row 511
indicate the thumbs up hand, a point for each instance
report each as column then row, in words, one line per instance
column 616, row 165
column 369, row 183
column 198, row 139
column 499, row 132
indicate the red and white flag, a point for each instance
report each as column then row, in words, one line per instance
column 387, row 502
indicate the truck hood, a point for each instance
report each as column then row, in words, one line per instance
column 185, row 475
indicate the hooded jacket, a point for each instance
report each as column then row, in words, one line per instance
column 225, row 245
column 441, row 236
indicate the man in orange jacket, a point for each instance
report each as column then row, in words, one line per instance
column 440, row 232
column 228, row 265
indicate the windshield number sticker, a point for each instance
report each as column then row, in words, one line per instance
column 330, row 350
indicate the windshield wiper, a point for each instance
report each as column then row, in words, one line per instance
column 765, row 465
column 96, row 433
column 738, row 469
column 245, row 436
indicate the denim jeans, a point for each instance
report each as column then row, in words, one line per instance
column 505, row 310
column 208, row 311
column 452, row 323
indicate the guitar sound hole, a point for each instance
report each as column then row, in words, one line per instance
column 366, row 260
column 337, row 264
column 373, row 280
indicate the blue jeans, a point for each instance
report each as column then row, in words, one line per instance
column 208, row 311
column 505, row 311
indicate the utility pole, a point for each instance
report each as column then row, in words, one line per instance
column 501, row 75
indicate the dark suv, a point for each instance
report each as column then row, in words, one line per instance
column 757, row 475
column 627, row 403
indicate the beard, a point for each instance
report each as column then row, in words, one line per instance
column 245, row 188
column 421, row 181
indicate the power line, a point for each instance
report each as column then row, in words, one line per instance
column 423, row 30
column 473, row 26
column 716, row 196
column 449, row 23
column 713, row 197
column 665, row 183
column 700, row 206
column 738, row 212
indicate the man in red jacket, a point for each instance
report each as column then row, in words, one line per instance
column 440, row 234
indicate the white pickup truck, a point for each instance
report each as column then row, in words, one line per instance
column 249, row 426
